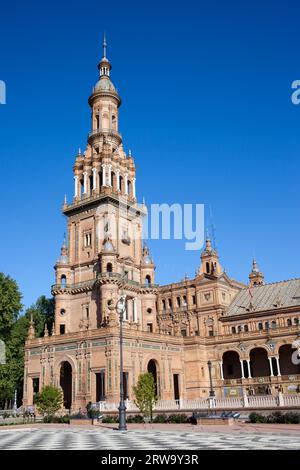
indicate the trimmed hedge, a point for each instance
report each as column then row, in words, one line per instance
column 57, row 419
column 275, row 418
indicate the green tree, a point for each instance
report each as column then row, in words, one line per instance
column 49, row 400
column 13, row 331
column 145, row 396
column 10, row 305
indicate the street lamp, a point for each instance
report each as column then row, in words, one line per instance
column 211, row 391
column 121, row 307
column 211, row 398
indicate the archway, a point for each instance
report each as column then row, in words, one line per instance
column 259, row 363
column 231, row 365
column 65, row 382
column 152, row 369
column 285, row 360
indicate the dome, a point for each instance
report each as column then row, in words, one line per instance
column 63, row 259
column 108, row 246
column 104, row 84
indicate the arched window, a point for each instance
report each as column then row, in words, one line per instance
column 267, row 325
column 178, row 301
column 63, row 280
column 184, row 302
column 170, row 303
column 260, row 326
column 114, row 122
column 109, row 268
column 207, row 268
column 128, row 187
column 105, row 121
column 273, row 324
column 148, row 279
column 163, row 304
column 296, row 321
column 246, row 328
column 240, row 329
column 289, row 322
column 233, row 330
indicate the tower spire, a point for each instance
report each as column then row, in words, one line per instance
column 104, row 45
column 256, row 277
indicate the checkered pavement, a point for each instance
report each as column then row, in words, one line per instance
column 108, row 439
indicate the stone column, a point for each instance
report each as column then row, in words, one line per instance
column 278, row 366
column 242, row 368
column 109, row 175
column 118, row 179
column 94, row 179
column 85, row 181
column 133, row 187
column 103, row 175
column 126, row 183
column 221, row 370
column 134, row 310
column 249, row 370
column 271, row 367
column 75, row 186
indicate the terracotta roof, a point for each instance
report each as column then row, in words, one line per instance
column 267, row 297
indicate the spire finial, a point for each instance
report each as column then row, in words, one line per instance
column 104, row 45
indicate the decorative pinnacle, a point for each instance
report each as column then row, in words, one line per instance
column 104, row 45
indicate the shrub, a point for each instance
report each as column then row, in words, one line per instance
column 178, row 418
column 292, row 418
column 57, row 419
column 110, row 419
column 135, row 419
column 161, row 419
column 276, row 417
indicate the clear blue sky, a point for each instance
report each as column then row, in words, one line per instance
column 206, row 111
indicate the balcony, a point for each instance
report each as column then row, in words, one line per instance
column 109, row 133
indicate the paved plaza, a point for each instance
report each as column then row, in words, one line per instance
column 43, row 437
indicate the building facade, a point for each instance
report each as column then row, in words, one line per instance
column 248, row 332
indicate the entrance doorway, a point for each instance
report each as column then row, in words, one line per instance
column 66, row 383
column 176, row 386
column 153, row 370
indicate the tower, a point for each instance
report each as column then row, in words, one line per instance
column 256, row 277
column 210, row 265
column 104, row 257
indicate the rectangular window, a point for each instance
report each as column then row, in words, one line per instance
column 194, row 300
column 211, row 333
column 149, row 327
column 62, row 329
column 87, row 239
column 183, row 332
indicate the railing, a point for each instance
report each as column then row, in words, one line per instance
column 109, row 132
column 263, row 401
column 105, row 275
column 76, row 285
column 226, row 403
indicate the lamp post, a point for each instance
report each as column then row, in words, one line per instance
column 211, row 391
column 121, row 307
